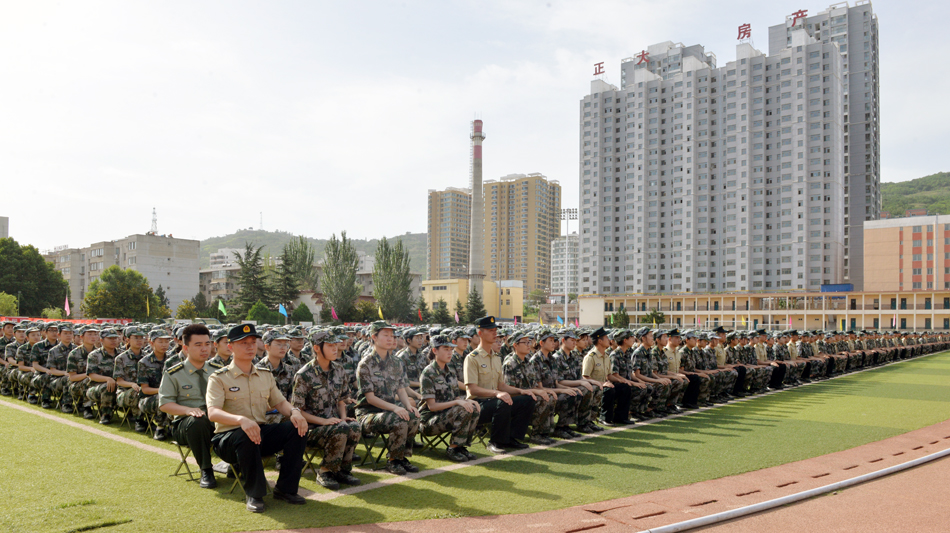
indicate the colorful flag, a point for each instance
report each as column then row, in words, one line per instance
column 577, row 322
column 221, row 308
column 380, row 312
column 456, row 317
column 281, row 309
column 743, row 321
column 420, row 315
column 560, row 320
column 147, row 311
column 333, row 313
column 789, row 321
column 611, row 320
column 516, row 321
column 67, row 306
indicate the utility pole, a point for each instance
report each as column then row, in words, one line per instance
column 567, row 215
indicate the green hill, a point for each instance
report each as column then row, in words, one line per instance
column 274, row 241
column 930, row 192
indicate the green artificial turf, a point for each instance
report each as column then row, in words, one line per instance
column 58, row 478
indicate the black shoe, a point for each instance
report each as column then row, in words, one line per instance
column 6, row 392
column 494, row 448
column 140, row 426
column 294, row 499
column 624, row 422
column 32, row 399
column 674, row 409
column 66, row 408
column 207, row 479
column 357, row 458
column 409, row 467
column 593, row 427
column 455, row 455
column 516, row 445
column 161, row 435
column 256, row 505
column 87, row 414
column 540, row 440
column 471, row 456
column 327, row 480
column 46, row 404
column 105, row 419
column 564, row 434
column 346, row 478
column 395, row 468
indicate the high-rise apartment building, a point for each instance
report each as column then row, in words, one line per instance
column 522, row 217
column 447, row 250
column 907, row 254
column 855, row 31
column 163, row 260
column 700, row 178
column 564, row 260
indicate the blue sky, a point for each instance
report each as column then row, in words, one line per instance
column 330, row 116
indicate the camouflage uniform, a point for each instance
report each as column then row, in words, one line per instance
column 566, row 405
column 412, row 363
column 441, row 385
column 383, row 379
column 284, row 376
column 522, row 374
column 568, row 367
column 318, row 392
column 102, row 363
column 76, row 363
column 677, row 384
column 621, row 364
column 23, row 355
column 39, row 354
column 56, row 386
column 647, row 362
column 9, row 352
column 692, row 361
column 126, row 368
column 149, row 372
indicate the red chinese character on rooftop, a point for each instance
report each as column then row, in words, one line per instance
column 745, row 32
column 644, row 57
column 598, row 68
column 800, row 14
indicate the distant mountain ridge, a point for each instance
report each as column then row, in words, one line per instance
column 929, row 192
column 274, row 241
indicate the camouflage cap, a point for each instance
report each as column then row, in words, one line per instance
column 545, row 333
column 218, row 334
column 380, row 325
column 326, row 336
column 519, row 336
column 275, row 335
column 158, row 333
column 66, row 327
column 409, row 333
column 21, row 326
column 440, row 340
column 296, row 333
column 33, row 329
column 49, row 325
column 108, row 332
column 568, row 333
column 130, row 331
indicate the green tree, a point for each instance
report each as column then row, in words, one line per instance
column 366, row 311
column 340, row 289
column 284, row 287
column 440, row 314
column 251, row 280
column 422, row 308
column 537, row 297
column 201, row 304
column 7, row 304
column 620, row 319
column 186, row 310
column 118, row 293
column 392, row 282
column 162, row 297
column 301, row 314
column 262, row 315
column 459, row 312
column 302, row 256
column 474, row 309
column 54, row 313
column 655, row 316
column 571, row 297
column 24, row 272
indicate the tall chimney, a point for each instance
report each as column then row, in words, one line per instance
column 476, row 256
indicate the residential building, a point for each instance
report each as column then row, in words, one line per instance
column 162, row 260
column 854, row 29
column 4, row 227
column 503, row 299
column 522, row 217
column 564, row 258
column 700, row 178
column 800, row 310
column 225, row 256
column 449, row 232
column 907, row 254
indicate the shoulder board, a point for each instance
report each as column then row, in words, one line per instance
column 175, row 368
column 215, row 364
column 262, row 367
column 220, row 370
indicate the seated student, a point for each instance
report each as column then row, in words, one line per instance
column 99, row 370
column 149, row 371
column 126, row 377
column 596, row 367
column 222, row 354
column 182, row 394
column 485, row 382
column 413, row 361
column 567, row 398
column 384, row 405
column 321, row 390
column 568, row 362
column 620, row 375
column 282, row 365
column 521, row 374
column 445, row 408
column 58, row 380
column 238, row 397
column 76, row 370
